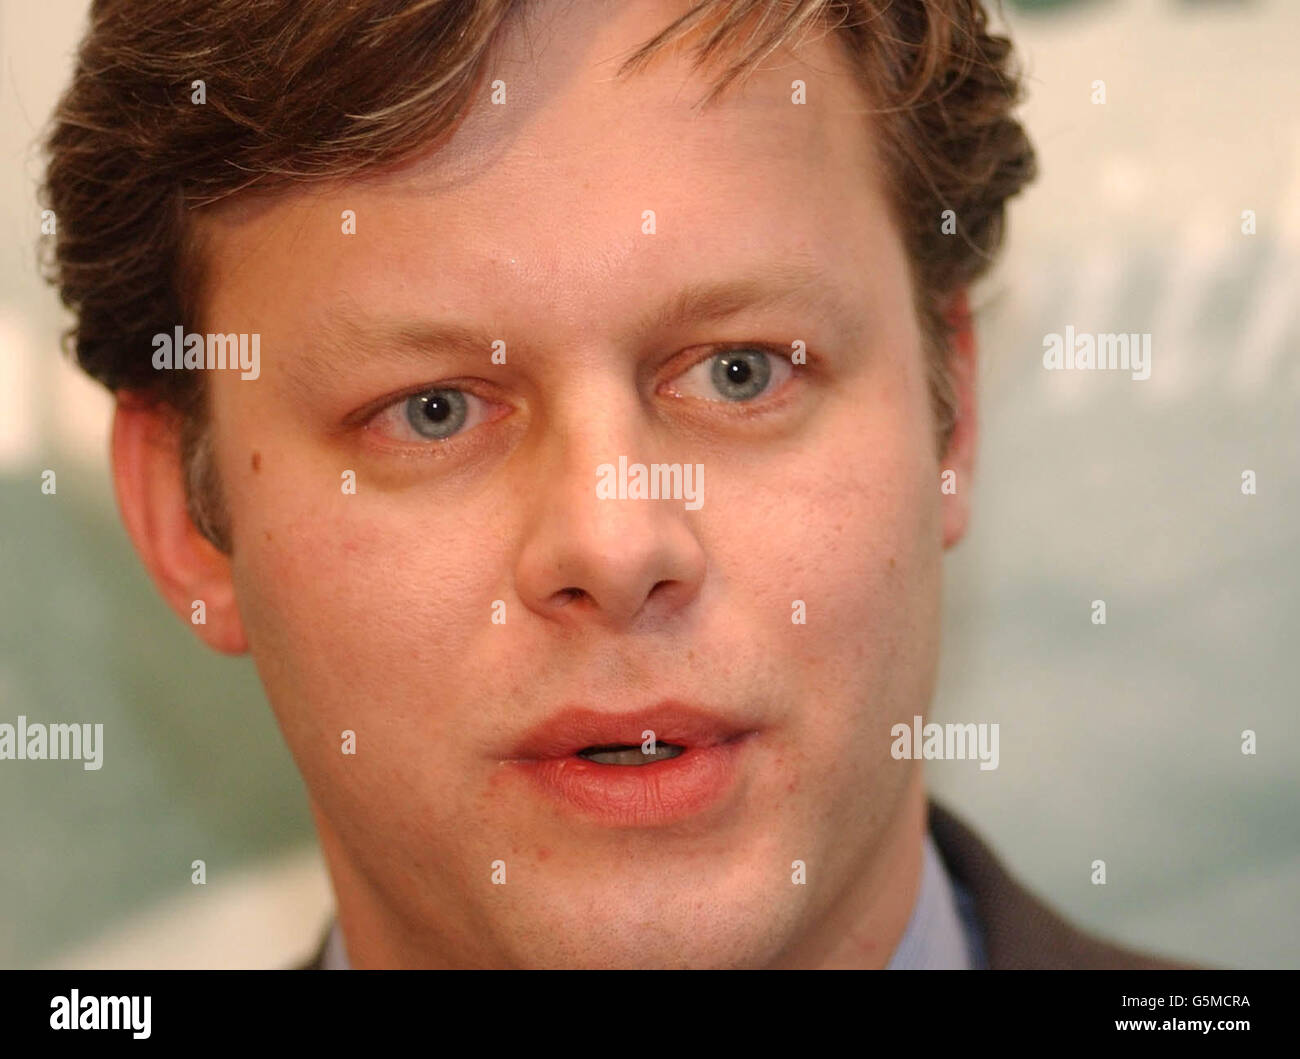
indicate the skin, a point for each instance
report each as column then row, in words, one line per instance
column 372, row 612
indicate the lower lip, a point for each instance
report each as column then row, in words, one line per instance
column 640, row 795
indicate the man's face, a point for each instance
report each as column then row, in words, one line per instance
column 475, row 590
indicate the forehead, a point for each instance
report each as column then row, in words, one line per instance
column 577, row 179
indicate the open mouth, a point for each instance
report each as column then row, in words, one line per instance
column 623, row 754
column 594, row 763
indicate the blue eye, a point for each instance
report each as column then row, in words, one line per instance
column 733, row 375
column 741, row 375
column 437, row 414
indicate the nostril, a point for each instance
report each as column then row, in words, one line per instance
column 571, row 594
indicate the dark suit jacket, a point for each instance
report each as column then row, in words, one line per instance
column 1020, row 931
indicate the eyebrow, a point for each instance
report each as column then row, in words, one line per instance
column 346, row 327
column 781, row 282
column 346, row 330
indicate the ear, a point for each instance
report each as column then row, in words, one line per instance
column 184, row 565
column 959, row 456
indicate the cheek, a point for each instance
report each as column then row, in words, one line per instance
column 849, row 524
column 360, row 612
column 865, row 559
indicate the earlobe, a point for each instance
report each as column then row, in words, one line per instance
column 959, row 454
column 192, row 575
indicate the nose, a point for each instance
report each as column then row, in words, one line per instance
column 589, row 559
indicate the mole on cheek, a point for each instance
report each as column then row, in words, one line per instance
column 257, row 462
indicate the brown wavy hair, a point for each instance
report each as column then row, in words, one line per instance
column 300, row 92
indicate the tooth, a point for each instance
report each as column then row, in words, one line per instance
column 633, row 755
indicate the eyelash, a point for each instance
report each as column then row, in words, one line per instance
column 756, row 406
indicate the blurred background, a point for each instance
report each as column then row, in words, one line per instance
column 1119, row 742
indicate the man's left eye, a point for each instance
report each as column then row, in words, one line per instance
column 431, row 415
column 733, row 375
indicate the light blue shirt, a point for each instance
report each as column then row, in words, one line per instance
column 942, row 933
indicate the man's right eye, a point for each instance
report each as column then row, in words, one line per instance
column 430, row 415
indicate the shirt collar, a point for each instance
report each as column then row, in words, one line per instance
column 335, row 957
column 942, row 933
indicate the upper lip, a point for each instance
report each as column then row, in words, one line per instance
column 577, row 728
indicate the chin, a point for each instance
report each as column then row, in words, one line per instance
column 646, row 927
